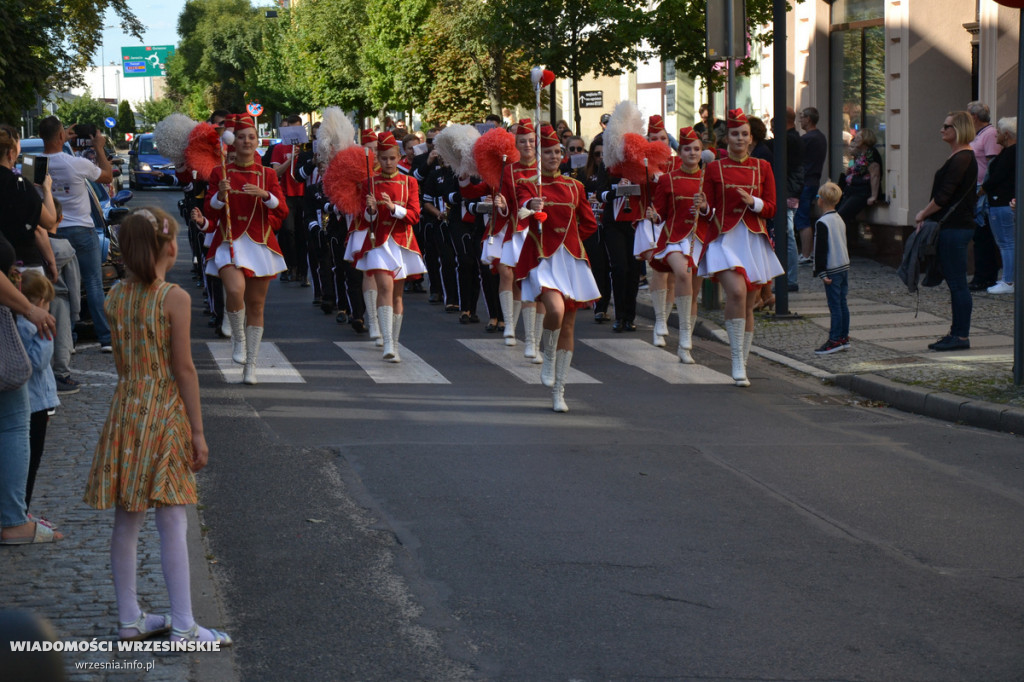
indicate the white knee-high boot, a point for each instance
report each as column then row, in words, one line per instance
column 562, row 362
column 372, row 323
column 385, row 318
column 253, row 336
column 735, row 329
column 529, row 318
column 748, row 340
column 547, row 371
column 237, row 321
column 537, row 331
column 659, row 299
column 685, row 330
column 396, row 329
column 507, row 310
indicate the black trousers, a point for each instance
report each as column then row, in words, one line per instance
column 598, row 255
column 625, row 268
column 466, row 244
column 440, row 259
column 37, row 439
column 855, row 200
column 316, row 247
column 297, row 246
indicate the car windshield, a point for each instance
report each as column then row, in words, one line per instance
column 148, row 146
column 32, row 146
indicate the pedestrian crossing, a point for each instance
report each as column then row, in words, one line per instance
column 274, row 368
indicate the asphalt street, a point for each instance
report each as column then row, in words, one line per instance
column 670, row 526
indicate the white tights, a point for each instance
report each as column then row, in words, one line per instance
column 172, row 524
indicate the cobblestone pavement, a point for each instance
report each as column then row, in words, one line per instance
column 69, row 582
column 890, row 330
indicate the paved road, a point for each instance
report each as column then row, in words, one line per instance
column 461, row 530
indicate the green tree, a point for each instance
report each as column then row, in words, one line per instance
column 125, row 120
column 388, row 29
column 84, row 109
column 47, row 44
column 155, row 110
column 327, row 40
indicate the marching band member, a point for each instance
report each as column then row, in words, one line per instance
column 741, row 190
column 357, row 235
column 679, row 202
column 553, row 266
column 391, row 254
column 244, row 252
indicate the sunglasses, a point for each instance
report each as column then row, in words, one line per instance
column 575, row 149
column 946, row 126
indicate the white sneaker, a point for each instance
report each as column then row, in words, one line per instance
column 805, row 260
column 1001, row 288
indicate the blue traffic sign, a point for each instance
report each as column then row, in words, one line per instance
column 110, row 121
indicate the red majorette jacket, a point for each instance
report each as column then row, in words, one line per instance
column 673, row 201
column 249, row 215
column 570, row 220
column 724, row 177
column 404, row 192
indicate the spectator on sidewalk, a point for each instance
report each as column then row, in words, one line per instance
column 861, row 181
column 832, row 266
column 70, row 177
column 66, row 306
column 1000, row 189
column 794, row 186
column 953, row 199
column 813, row 149
column 985, row 148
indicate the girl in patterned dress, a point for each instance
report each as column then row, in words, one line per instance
column 152, row 442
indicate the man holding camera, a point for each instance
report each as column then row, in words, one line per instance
column 70, row 175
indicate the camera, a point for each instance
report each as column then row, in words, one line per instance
column 84, row 132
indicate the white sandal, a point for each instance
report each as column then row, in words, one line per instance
column 139, row 625
column 192, row 635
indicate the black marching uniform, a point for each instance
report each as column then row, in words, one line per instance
column 439, row 254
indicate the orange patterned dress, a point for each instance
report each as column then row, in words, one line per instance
column 142, row 458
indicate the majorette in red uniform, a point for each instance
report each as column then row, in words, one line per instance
column 681, row 207
column 390, row 252
column 553, row 265
column 247, row 206
column 354, row 249
column 741, row 190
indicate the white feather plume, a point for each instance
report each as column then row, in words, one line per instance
column 455, row 145
column 336, row 133
column 626, row 118
column 171, row 136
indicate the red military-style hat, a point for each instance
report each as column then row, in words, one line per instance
column 525, row 127
column 239, row 122
column 656, row 124
column 549, row 137
column 687, row 135
column 367, row 136
column 736, row 118
column 386, row 141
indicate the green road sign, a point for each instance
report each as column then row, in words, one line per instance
column 145, row 60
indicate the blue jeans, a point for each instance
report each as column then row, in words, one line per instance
column 953, row 259
column 791, row 266
column 1001, row 219
column 835, row 293
column 14, row 455
column 802, row 220
column 90, row 264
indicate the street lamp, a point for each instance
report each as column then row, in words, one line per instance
column 103, row 60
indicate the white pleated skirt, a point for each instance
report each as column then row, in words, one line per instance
column 391, row 257
column 683, row 247
column 356, row 239
column 741, row 249
column 562, row 272
column 645, row 239
column 492, row 248
column 257, row 258
column 511, row 249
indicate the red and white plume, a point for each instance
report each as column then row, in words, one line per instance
column 542, row 77
column 203, row 152
column 345, row 179
column 626, row 118
column 488, row 152
column 171, row 136
column 635, row 150
column 336, row 133
column 455, row 145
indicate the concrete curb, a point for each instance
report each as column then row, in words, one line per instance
column 207, row 607
column 928, row 402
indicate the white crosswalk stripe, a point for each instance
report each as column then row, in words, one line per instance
column 271, row 366
column 411, row 370
column 657, row 361
column 510, row 358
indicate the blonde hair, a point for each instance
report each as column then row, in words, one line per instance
column 8, row 139
column 830, row 194
column 141, row 236
column 963, row 125
column 867, row 138
column 36, row 287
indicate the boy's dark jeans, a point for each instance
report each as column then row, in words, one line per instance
column 835, row 293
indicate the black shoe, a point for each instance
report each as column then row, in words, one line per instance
column 434, row 299
column 464, row 318
column 617, row 326
column 474, row 318
column 628, row 326
column 358, row 326
column 328, row 308
column 794, row 287
column 944, row 339
column 600, row 317
column 451, row 308
column 417, row 287
column 342, row 318
column 491, row 328
column 976, row 285
column 952, row 343
column 830, row 346
column 316, row 301
column 305, row 284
